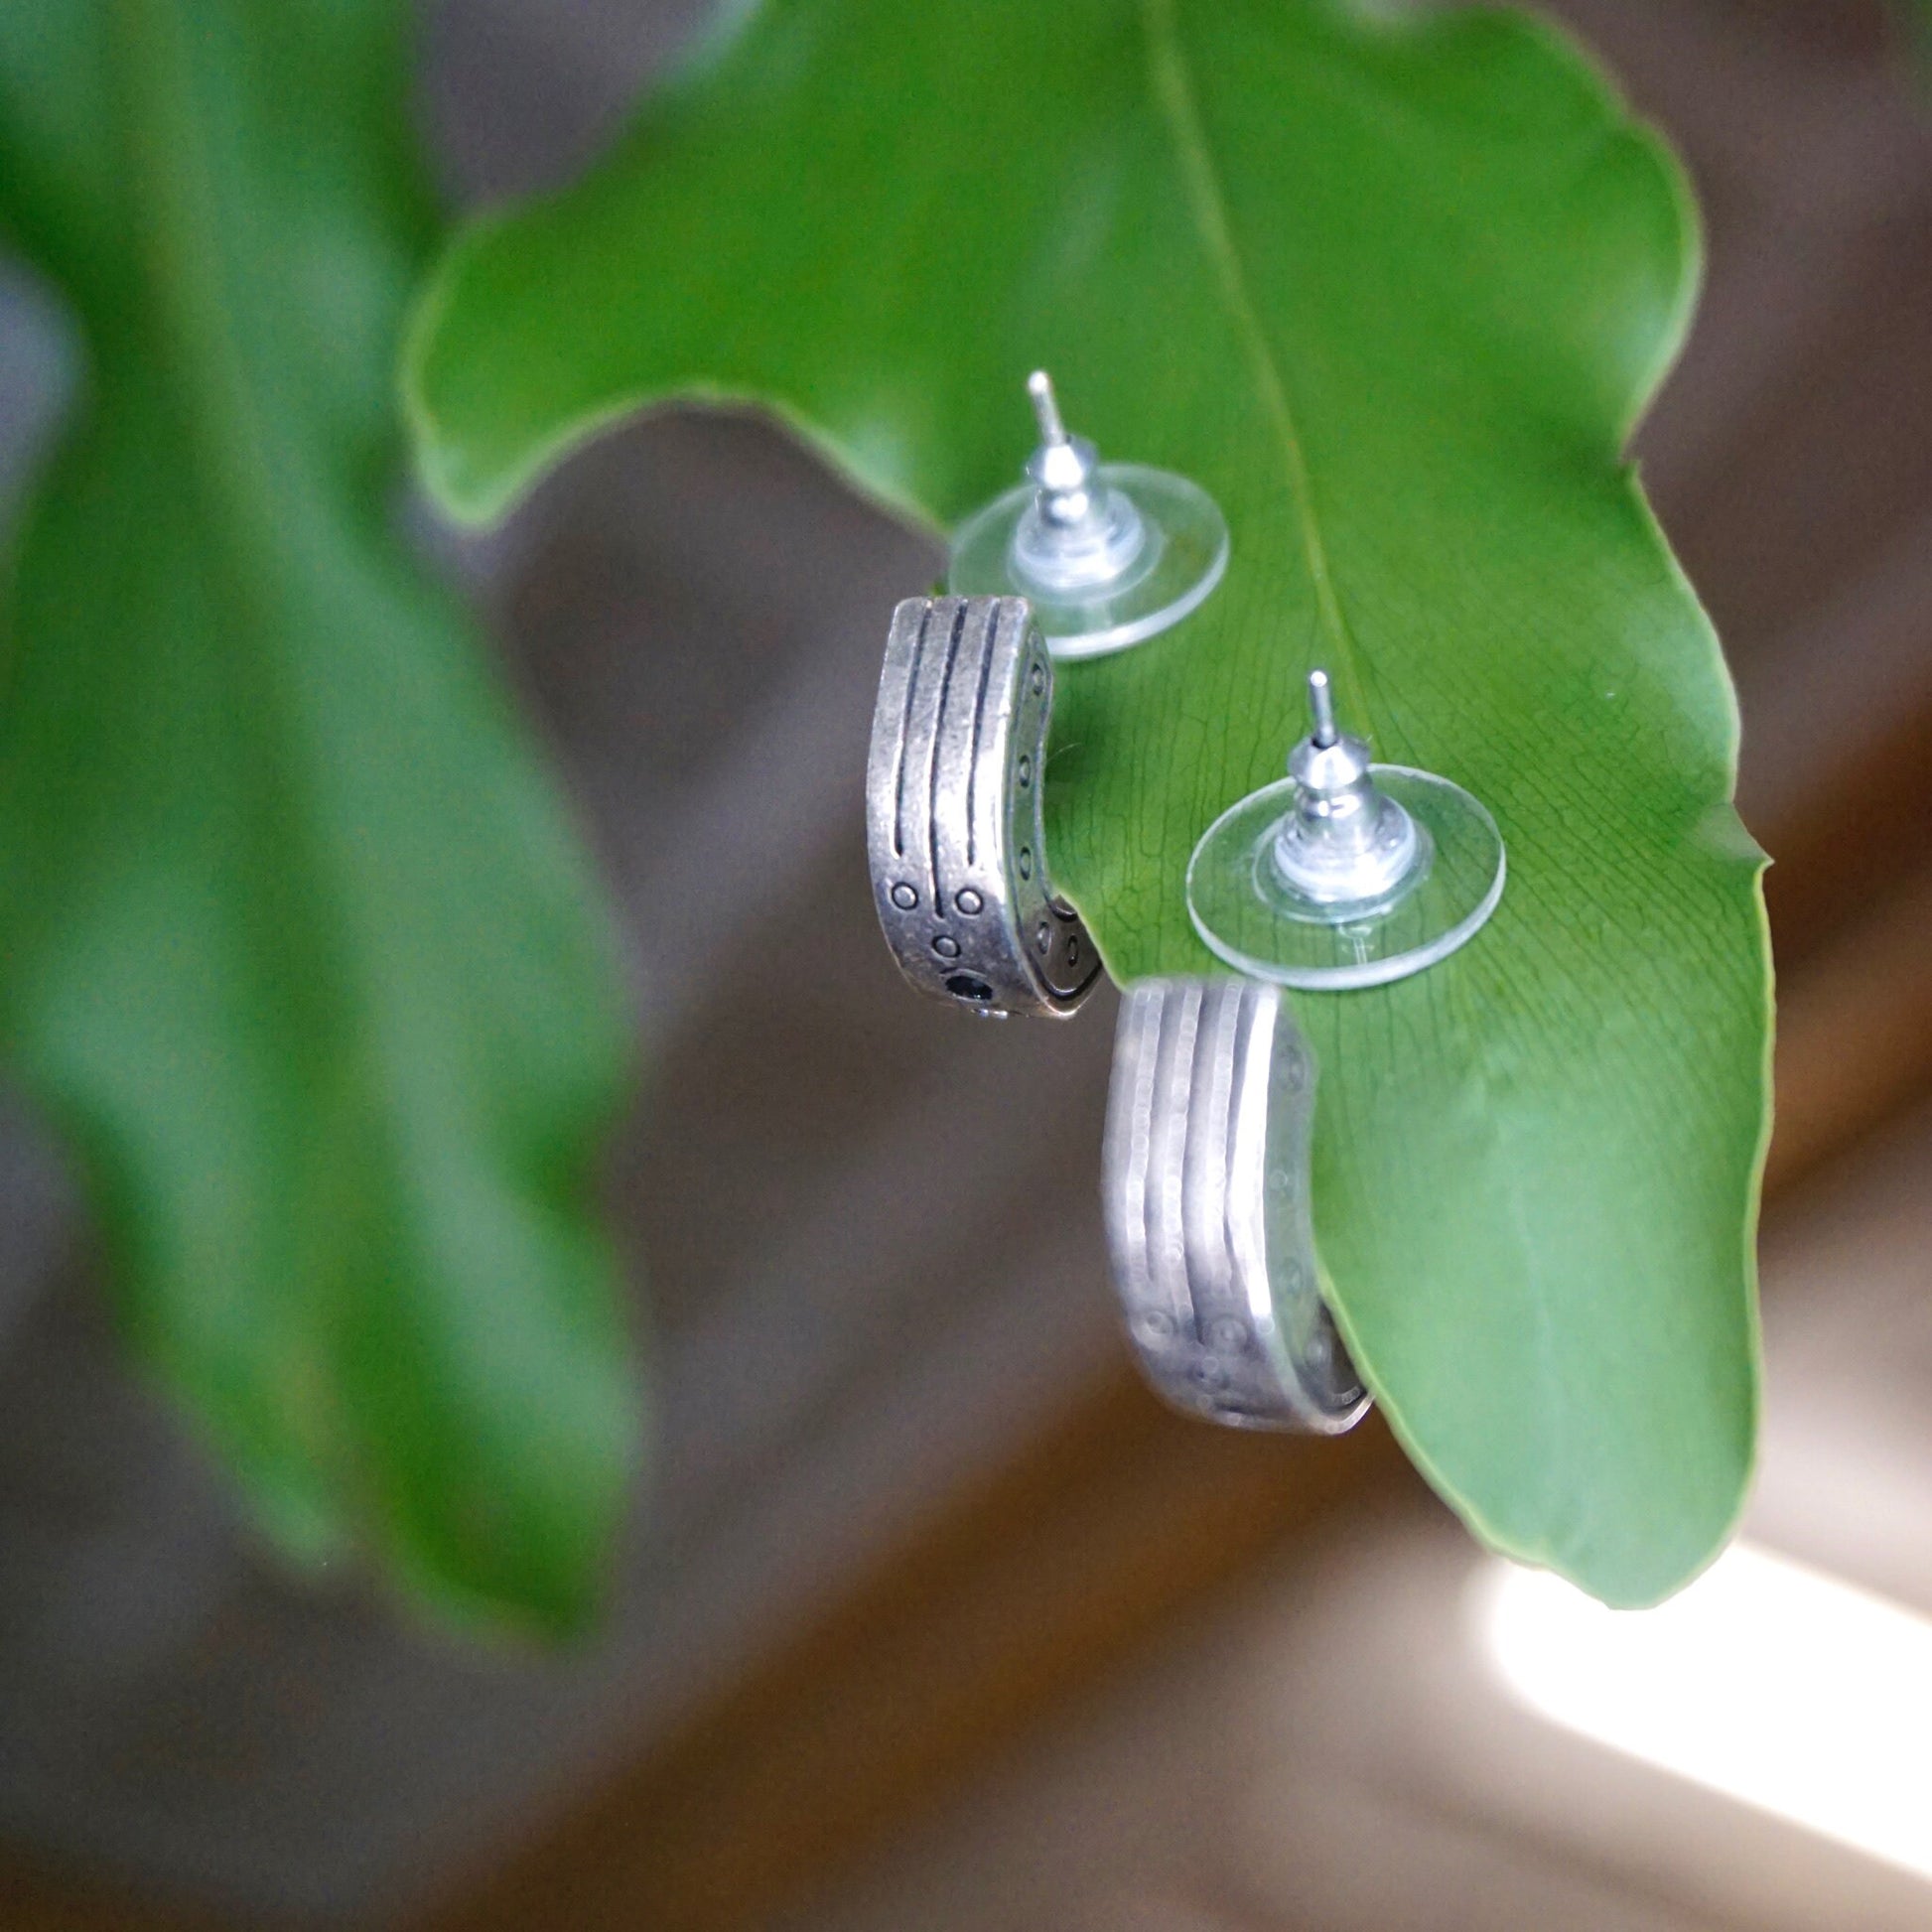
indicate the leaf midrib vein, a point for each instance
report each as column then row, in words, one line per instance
column 1176, row 96
column 1176, row 92
column 179, row 250
column 244, row 497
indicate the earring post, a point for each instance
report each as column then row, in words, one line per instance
column 1046, row 408
column 1321, row 705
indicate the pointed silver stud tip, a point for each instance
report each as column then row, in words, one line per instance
column 1321, row 705
column 1046, row 408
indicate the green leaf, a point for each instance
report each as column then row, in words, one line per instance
column 1916, row 16
column 1394, row 292
column 299, row 947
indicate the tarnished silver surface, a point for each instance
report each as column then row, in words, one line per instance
column 953, row 823
column 1205, row 1185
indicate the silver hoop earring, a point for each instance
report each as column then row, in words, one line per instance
column 1205, row 1188
column 954, row 827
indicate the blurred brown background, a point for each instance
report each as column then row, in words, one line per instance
column 930, row 1617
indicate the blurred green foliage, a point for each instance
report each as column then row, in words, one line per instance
column 1918, row 22
column 298, row 949
column 1395, row 289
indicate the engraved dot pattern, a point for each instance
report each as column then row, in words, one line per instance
column 953, row 811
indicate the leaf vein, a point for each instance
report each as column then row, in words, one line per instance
column 1175, row 93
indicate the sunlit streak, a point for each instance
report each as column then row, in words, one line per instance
column 1775, row 1684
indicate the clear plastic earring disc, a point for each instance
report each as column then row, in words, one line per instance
column 1182, row 550
column 1250, row 913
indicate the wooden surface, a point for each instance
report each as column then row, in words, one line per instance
column 1013, row 1597
column 37, row 1897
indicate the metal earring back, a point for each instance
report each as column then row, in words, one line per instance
column 954, row 825
column 1108, row 554
column 1345, row 874
column 1205, row 1186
